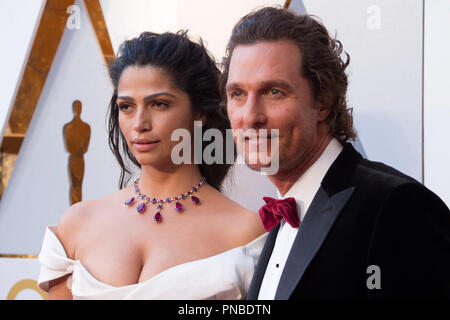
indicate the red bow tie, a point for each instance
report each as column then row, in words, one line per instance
column 274, row 210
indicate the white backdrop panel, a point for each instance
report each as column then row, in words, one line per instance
column 15, row 270
column 38, row 190
column 436, row 102
column 384, row 40
column 20, row 16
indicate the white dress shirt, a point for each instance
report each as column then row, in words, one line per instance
column 303, row 190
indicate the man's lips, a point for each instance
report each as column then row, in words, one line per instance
column 259, row 138
column 254, row 138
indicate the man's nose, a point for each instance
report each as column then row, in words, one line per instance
column 254, row 112
column 142, row 121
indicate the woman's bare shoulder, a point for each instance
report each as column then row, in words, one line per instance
column 70, row 223
column 74, row 219
column 249, row 225
column 244, row 225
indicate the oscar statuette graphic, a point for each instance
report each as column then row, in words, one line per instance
column 76, row 135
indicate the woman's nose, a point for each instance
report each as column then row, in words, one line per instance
column 142, row 122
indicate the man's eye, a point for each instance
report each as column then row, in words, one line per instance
column 275, row 92
column 236, row 93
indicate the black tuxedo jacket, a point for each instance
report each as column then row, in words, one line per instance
column 366, row 214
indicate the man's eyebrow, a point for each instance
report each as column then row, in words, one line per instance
column 149, row 97
column 264, row 85
column 232, row 86
column 276, row 83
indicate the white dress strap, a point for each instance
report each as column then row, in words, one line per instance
column 53, row 259
column 253, row 248
column 252, row 251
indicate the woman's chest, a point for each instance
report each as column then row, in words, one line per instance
column 121, row 258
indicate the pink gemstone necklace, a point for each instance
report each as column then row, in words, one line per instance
column 178, row 206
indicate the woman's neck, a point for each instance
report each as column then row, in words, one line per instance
column 163, row 184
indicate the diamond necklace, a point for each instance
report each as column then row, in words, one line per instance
column 178, row 206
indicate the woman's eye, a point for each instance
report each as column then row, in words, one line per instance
column 124, row 107
column 160, row 104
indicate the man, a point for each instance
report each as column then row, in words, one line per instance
column 366, row 230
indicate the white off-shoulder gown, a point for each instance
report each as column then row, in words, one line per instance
column 226, row 275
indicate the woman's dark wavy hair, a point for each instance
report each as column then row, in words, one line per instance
column 192, row 70
column 321, row 61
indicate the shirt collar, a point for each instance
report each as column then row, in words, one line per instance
column 306, row 186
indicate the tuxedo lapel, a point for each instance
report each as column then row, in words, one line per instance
column 261, row 266
column 311, row 234
column 335, row 191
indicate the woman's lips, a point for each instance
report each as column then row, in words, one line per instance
column 144, row 145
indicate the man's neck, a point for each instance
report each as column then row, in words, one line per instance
column 284, row 180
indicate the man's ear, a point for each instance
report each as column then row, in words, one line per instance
column 323, row 113
column 323, row 109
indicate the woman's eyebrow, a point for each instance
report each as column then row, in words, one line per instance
column 127, row 98
column 156, row 95
column 147, row 98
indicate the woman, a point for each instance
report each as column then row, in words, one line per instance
column 171, row 234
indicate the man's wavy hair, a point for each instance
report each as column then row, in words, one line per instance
column 322, row 64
